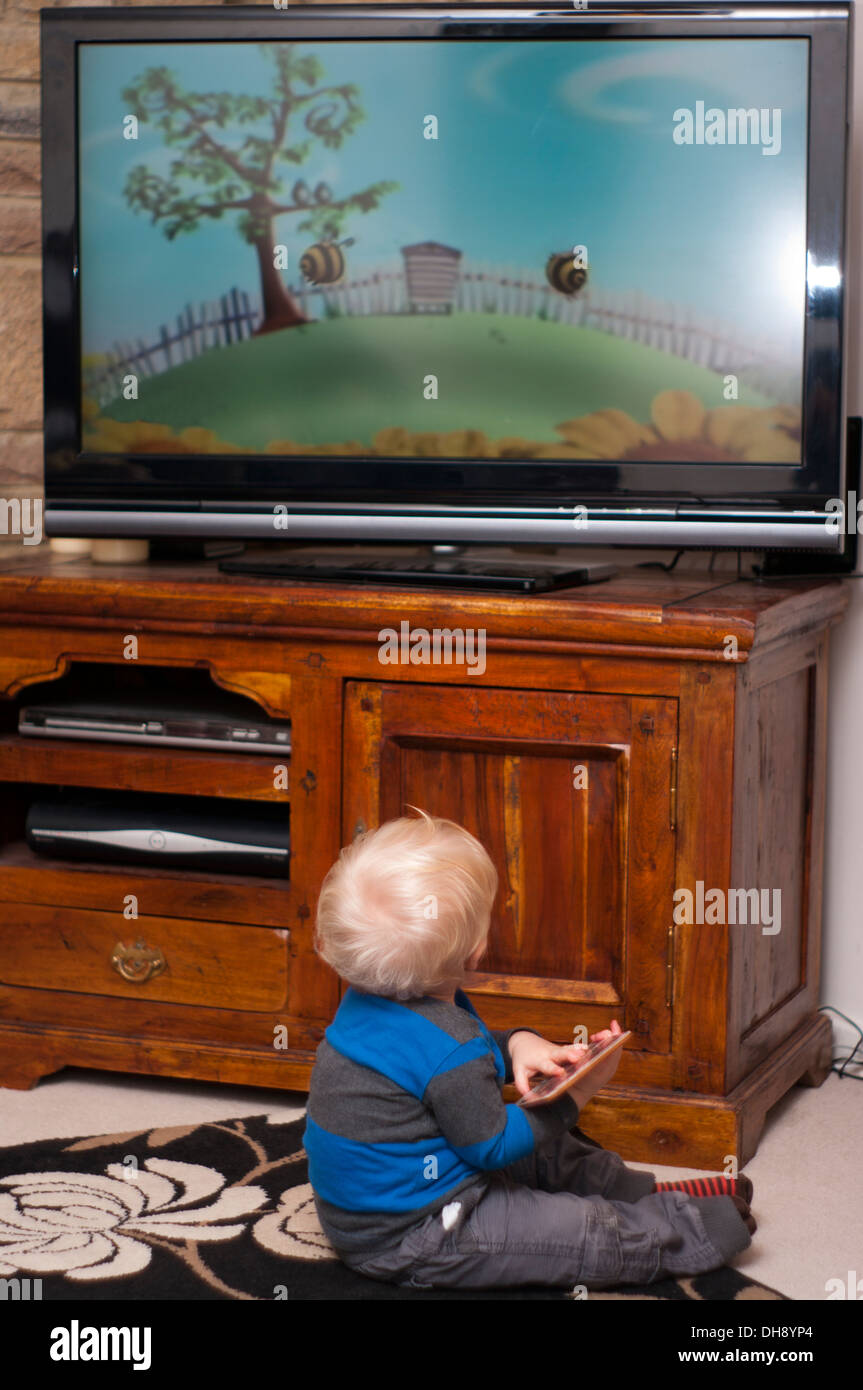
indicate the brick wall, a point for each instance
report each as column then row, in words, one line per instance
column 20, row 273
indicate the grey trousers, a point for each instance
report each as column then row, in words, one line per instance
column 569, row 1214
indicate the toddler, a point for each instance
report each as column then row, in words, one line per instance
column 422, row 1175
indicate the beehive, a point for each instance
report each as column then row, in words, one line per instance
column 431, row 274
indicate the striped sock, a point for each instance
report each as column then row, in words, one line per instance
column 710, row 1187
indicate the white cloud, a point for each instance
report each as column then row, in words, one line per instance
column 751, row 82
column 484, row 77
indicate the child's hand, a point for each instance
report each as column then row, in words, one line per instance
column 607, row 1033
column 531, row 1054
column 603, row 1071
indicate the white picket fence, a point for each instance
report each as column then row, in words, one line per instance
column 631, row 315
column 638, row 318
column 382, row 291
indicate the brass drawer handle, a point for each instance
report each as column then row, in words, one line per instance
column 138, row 963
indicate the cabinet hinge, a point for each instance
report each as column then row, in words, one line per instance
column 673, row 797
column 669, row 968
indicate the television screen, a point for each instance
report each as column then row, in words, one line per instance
column 519, row 249
column 447, row 273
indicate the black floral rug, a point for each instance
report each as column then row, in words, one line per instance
column 213, row 1211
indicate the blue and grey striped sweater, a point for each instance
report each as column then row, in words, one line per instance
column 405, row 1111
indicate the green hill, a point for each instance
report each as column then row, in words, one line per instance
column 347, row 378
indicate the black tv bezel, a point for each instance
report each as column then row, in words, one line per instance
column 118, row 482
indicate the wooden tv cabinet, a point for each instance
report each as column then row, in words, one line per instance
column 623, row 742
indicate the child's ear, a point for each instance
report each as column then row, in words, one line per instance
column 477, row 955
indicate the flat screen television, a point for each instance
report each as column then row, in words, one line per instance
column 569, row 274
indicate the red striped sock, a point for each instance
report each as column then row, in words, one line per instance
column 710, row 1187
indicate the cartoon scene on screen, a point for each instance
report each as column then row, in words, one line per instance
column 466, row 250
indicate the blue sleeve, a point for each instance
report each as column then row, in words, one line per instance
column 464, row 1095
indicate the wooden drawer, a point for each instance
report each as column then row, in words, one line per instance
column 209, row 964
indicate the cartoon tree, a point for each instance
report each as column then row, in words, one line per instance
column 244, row 175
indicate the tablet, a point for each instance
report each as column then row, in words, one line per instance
column 548, row 1088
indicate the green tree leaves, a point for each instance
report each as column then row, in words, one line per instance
column 215, row 174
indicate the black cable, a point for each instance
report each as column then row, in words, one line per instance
column 846, row 1060
column 757, row 574
column 658, row 565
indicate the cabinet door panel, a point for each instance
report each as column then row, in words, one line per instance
column 570, row 794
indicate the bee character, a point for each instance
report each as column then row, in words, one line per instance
column 324, row 263
column 563, row 274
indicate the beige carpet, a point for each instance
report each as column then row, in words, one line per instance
column 806, row 1173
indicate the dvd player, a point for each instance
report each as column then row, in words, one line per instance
column 252, row 844
column 179, row 724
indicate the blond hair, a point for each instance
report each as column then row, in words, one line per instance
column 405, row 906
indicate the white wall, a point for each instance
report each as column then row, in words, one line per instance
column 843, row 869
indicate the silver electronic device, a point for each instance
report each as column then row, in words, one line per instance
column 180, row 725
column 140, row 831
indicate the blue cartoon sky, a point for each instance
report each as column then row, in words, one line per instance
column 541, row 146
